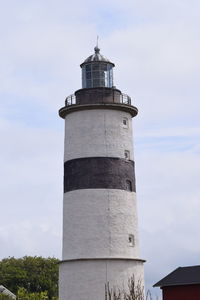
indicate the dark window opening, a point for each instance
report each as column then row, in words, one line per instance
column 129, row 185
column 127, row 154
column 125, row 122
column 131, row 240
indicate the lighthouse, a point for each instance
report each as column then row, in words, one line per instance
column 100, row 223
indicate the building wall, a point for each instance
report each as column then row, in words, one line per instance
column 98, row 222
column 86, row 280
column 182, row 292
column 97, row 132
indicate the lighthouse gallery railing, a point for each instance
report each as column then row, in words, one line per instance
column 71, row 99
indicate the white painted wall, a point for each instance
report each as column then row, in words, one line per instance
column 97, row 223
column 85, row 280
column 97, row 132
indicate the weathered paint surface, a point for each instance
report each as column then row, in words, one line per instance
column 86, row 280
column 99, row 172
column 98, row 222
column 97, row 132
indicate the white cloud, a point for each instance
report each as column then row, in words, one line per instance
column 31, row 190
column 155, row 46
column 29, row 238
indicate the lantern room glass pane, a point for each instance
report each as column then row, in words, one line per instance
column 88, row 67
column 102, row 83
column 96, row 82
column 88, row 75
column 89, row 83
column 97, row 75
column 103, row 67
column 95, row 67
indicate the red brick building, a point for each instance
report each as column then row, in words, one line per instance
column 182, row 284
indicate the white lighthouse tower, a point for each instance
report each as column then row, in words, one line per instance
column 100, row 227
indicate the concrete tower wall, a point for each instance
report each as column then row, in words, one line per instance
column 86, row 280
column 98, row 223
column 97, row 132
column 100, row 231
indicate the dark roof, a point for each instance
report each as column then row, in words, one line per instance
column 96, row 57
column 181, row 276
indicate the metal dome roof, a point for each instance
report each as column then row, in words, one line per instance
column 96, row 57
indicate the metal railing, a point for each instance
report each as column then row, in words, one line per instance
column 70, row 100
column 124, row 99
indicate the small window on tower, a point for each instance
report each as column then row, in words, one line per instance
column 128, row 185
column 131, row 240
column 125, row 122
column 127, row 154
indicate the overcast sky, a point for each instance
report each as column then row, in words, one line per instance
column 155, row 46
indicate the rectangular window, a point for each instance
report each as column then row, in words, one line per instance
column 127, row 154
column 125, row 122
column 128, row 185
column 131, row 240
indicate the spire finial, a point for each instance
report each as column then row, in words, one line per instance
column 97, row 41
column 96, row 49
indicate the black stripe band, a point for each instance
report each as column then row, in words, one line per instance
column 99, row 173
